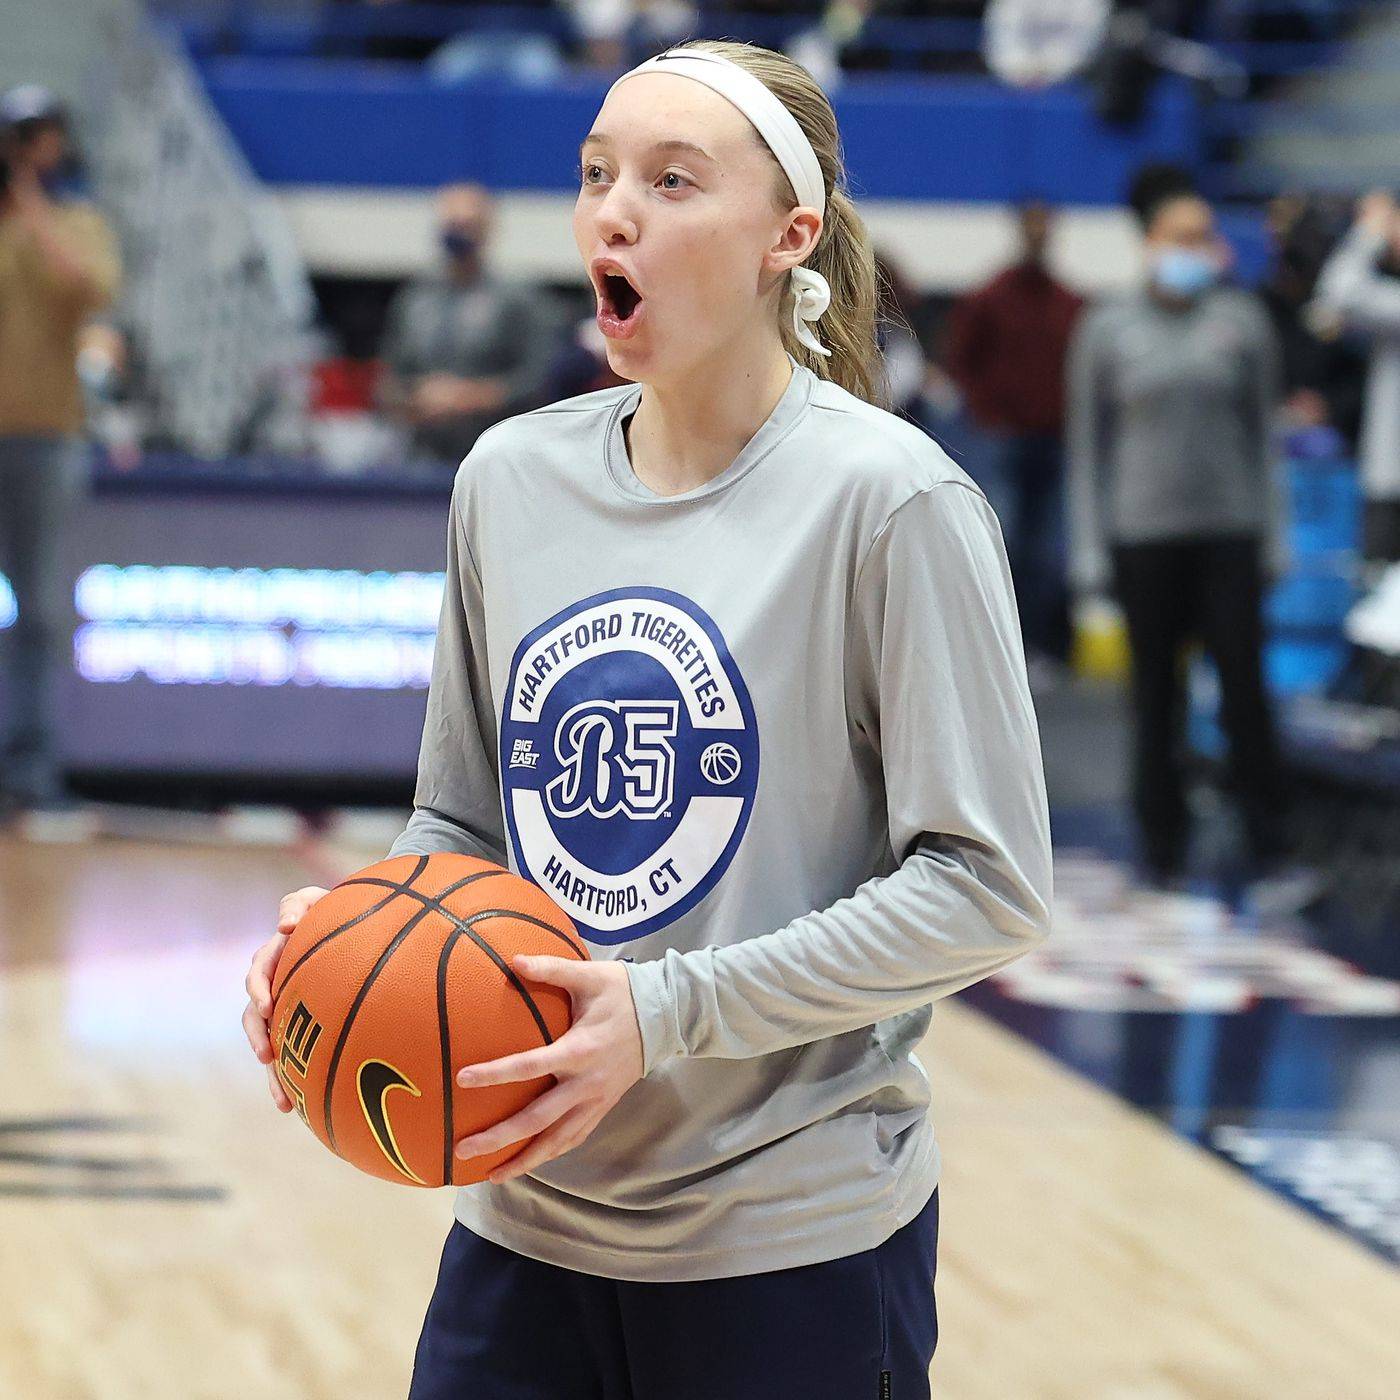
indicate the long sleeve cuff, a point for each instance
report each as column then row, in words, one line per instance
column 656, row 1014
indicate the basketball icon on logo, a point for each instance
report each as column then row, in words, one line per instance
column 720, row 763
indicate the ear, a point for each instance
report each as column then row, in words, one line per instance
column 796, row 241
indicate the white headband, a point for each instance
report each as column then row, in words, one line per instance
column 789, row 144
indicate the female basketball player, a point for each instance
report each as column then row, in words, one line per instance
column 728, row 663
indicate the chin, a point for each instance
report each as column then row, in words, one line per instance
column 631, row 372
column 627, row 357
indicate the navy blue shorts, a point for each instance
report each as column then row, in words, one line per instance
column 502, row 1326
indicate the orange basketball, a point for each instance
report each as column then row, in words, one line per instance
column 392, row 982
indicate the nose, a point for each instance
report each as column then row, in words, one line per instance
column 613, row 216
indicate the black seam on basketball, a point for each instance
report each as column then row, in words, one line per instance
column 435, row 901
column 335, row 932
column 429, row 906
column 350, row 1020
column 466, row 926
column 447, row 1078
column 406, row 886
column 445, row 1041
column 527, row 919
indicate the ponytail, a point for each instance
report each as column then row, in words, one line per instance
column 843, row 253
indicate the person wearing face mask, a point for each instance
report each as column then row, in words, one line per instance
column 463, row 348
column 729, row 663
column 58, row 266
column 1176, row 508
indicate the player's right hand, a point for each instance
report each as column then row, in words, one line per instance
column 258, row 984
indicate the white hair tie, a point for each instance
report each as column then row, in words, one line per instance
column 811, row 293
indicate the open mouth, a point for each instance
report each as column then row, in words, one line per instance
column 622, row 297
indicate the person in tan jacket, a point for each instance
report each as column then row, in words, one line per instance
column 58, row 266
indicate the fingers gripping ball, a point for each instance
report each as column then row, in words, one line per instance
column 396, row 979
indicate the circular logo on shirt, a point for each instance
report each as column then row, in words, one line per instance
column 629, row 759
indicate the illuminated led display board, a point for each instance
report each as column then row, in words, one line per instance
column 231, row 632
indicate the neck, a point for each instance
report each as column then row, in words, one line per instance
column 686, row 431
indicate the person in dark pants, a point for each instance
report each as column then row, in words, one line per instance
column 1176, row 506
column 1172, row 591
column 736, row 1227
column 519, row 1319
column 1006, row 349
column 58, row 265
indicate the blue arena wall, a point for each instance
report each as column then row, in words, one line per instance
column 319, row 122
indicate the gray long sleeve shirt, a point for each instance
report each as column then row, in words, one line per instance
column 1170, row 415
column 770, row 741
column 1352, row 285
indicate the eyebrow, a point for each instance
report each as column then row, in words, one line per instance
column 601, row 138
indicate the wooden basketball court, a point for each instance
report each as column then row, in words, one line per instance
column 166, row 1234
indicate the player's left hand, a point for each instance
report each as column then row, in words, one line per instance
column 595, row 1062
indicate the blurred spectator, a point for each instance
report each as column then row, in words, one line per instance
column 58, row 265
column 834, row 43
column 1006, row 349
column 463, row 348
column 1142, row 40
column 851, row 36
column 614, row 31
column 1361, row 285
column 1032, row 43
column 1174, row 494
column 1323, row 372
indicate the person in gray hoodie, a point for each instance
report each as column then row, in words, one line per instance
column 1359, row 285
column 729, row 664
column 1176, row 508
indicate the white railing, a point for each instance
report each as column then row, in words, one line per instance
column 216, row 293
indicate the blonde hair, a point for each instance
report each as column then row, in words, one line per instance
column 843, row 253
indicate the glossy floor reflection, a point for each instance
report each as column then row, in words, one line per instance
column 166, row 1235
column 1273, row 1042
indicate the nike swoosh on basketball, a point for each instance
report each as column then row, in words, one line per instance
column 374, row 1082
